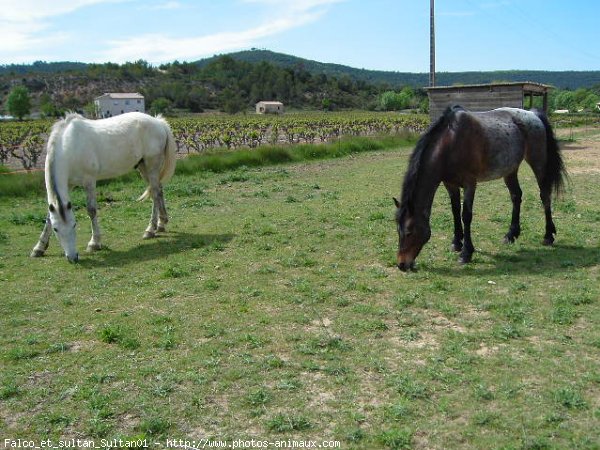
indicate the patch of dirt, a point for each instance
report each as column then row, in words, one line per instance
column 583, row 155
column 485, row 351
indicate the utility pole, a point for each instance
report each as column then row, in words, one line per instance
column 432, row 44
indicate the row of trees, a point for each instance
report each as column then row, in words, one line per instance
column 575, row 101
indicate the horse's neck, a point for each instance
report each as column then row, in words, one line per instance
column 427, row 185
column 57, row 178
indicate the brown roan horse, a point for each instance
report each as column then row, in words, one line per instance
column 464, row 148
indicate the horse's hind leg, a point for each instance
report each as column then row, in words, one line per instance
column 512, row 183
column 155, row 191
column 92, row 210
column 454, row 193
column 545, row 196
column 42, row 245
column 163, row 217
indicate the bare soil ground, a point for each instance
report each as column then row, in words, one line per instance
column 582, row 149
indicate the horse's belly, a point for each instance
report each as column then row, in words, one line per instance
column 93, row 166
column 498, row 173
column 115, row 167
column 504, row 155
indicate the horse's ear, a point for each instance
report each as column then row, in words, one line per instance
column 51, row 208
column 396, row 202
column 69, row 205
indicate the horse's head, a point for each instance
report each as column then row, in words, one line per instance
column 63, row 223
column 413, row 233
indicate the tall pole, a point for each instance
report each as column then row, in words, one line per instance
column 432, row 44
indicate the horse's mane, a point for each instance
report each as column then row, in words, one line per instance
column 54, row 140
column 424, row 143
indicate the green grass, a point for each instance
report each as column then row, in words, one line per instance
column 272, row 309
column 27, row 184
column 222, row 161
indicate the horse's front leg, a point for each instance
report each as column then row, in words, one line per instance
column 92, row 210
column 512, row 183
column 467, row 216
column 454, row 193
column 42, row 244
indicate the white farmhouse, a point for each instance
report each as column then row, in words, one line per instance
column 269, row 108
column 113, row 104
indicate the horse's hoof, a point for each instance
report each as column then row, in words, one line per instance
column 509, row 240
column 456, row 247
column 548, row 241
column 161, row 229
column 465, row 259
column 36, row 253
column 93, row 247
column 149, row 235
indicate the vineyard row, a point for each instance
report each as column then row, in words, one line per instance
column 22, row 144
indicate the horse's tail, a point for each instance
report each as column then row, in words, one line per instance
column 555, row 174
column 168, row 167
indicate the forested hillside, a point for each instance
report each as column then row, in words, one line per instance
column 235, row 82
column 563, row 80
column 222, row 84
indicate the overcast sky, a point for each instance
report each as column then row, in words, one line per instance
column 370, row 34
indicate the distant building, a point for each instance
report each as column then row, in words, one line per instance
column 269, row 108
column 113, row 104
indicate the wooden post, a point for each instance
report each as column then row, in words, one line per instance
column 432, row 43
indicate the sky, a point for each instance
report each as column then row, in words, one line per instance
column 389, row 35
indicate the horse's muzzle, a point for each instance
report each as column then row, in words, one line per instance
column 404, row 267
column 73, row 259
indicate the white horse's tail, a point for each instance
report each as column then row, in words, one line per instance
column 168, row 168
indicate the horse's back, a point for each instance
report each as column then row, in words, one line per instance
column 507, row 135
column 111, row 147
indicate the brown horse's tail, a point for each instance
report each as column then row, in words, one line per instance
column 555, row 174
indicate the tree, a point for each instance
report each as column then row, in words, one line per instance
column 391, row 101
column 47, row 106
column 232, row 101
column 161, row 106
column 565, row 100
column 18, row 102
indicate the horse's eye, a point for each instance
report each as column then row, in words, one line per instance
column 74, row 225
column 55, row 229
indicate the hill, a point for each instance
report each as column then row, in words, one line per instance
column 560, row 79
column 236, row 81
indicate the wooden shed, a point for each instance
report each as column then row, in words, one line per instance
column 483, row 97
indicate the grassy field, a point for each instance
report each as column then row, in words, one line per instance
column 272, row 310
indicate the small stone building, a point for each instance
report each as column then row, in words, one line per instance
column 269, row 108
column 484, row 97
column 113, row 104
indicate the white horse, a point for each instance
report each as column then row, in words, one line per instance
column 81, row 151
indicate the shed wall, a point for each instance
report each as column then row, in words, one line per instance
column 474, row 99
